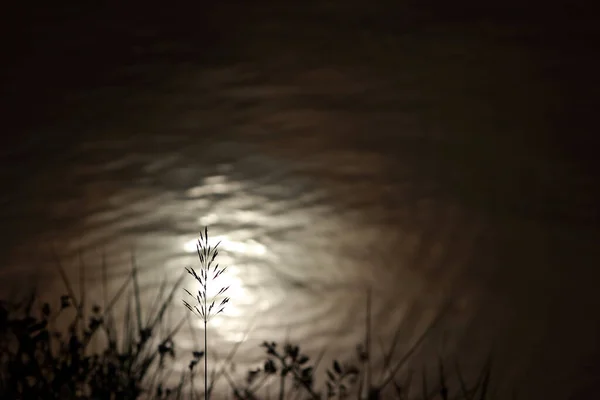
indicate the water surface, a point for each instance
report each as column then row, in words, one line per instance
column 419, row 150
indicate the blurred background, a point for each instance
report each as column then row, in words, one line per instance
column 437, row 152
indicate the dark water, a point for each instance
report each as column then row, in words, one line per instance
column 437, row 153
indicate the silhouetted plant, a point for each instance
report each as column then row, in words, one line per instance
column 206, row 308
column 340, row 379
column 289, row 362
column 39, row 361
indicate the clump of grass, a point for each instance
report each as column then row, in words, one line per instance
column 205, row 307
column 40, row 360
column 292, row 373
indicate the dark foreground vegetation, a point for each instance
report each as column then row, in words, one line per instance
column 72, row 350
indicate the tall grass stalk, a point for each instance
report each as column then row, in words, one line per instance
column 205, row 307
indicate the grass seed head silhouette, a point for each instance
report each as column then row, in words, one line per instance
column 209, row 272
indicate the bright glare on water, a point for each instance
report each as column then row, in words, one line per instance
column 416, row 163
